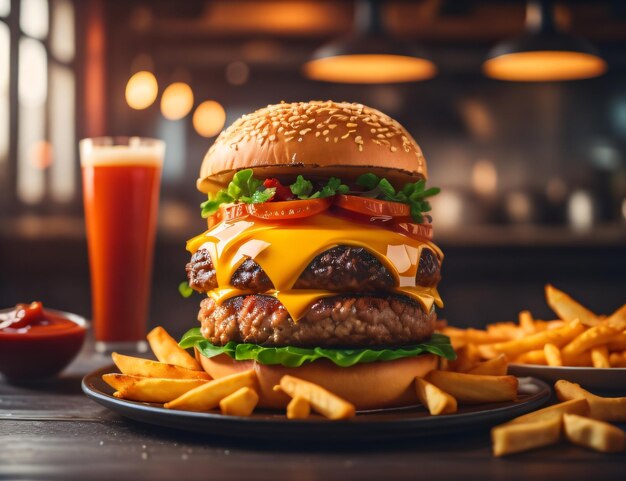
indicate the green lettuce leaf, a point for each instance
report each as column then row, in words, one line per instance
column 438, row 344
column 243, row 188
column 413, row 194
column 185, row 289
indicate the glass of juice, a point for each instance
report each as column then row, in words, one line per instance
column 121, row 179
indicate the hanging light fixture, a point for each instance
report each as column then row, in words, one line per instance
column 370, row 55
column 543, row 53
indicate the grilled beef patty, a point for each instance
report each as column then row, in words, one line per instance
column 348, row 321
column 340, row 269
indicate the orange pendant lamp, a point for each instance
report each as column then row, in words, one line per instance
column 543, row 53
column 370, row 55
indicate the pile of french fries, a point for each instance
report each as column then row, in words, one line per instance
column 581, row 417
column 578, row 337
column 178, row 382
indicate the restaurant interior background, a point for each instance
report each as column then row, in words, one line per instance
column 533, row 173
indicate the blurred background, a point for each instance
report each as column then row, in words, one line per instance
column 532, row 168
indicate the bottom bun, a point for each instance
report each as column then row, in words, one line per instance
column 368, row 386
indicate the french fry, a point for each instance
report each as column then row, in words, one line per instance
column 618, row 359
column 298, row 408
column 136, row 366
column 600, row 357
column 593, row 434
column 617, row 319
column 209, row 395
column 553, row 355
column 467, row 357
column 559, row 337
column 574, row 406
column 167, row 350
column 240, row 403
column 594, row 336
column 434, row 399
column 497, row 366
column 538, row 356
column 119, row 381
column 526, row 323
column 567, row 308
column 618, row 343
column 582, row 360
column 475, row 388
column 514, row 438
column 323, row 401
column 155, row 390
column 504, row 331
column 602, row 408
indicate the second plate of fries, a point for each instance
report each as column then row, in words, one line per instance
column 579, row 345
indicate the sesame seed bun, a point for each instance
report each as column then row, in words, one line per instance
column 344, row 139
column 371, row 385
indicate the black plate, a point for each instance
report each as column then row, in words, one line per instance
column 402, row 423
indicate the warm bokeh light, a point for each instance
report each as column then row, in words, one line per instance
column 542, row 66
column 41, row 155
column 580, row 210
column 519, row 207
column 33, row 73
column 34, row 18
column 447, row 209
column 141, row 90
column 484, row 177
column 177, row 101
column 370, row 68
column 237, row 73
column 209, row 118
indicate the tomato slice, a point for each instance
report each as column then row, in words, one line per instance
column 372, row 207
column 410, row 228
column 289, row 209
column 228, row 212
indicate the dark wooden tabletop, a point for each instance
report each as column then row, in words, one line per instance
column 53, row 431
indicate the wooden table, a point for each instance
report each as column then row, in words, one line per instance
column 53, row 431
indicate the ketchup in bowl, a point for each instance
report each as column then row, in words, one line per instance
column 37, row 343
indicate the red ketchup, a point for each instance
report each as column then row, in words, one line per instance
column 37, row 343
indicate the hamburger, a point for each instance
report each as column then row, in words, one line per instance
column 318, row 260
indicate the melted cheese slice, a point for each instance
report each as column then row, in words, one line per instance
column 284, row 250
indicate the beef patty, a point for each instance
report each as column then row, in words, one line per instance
column 341, row 268
column 348, row 321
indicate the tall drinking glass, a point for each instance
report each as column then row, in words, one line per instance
column 121, row 179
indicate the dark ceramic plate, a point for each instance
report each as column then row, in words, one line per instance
column 609, row 380
column 403, row 423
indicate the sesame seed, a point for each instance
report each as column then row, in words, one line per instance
column 304, row 131
column 394, row 149
column 291, row 132
column 358, row 139
column 360, row 148
column 380, row 136
column 373, row 131
column 272, row 137
column 345, row 136
column 311, row 121
column 288, row 139
column 317, row 134
column 327, row 139
column 325, row 132
column 332, row 126
column 351, row 125
column 293, row 118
